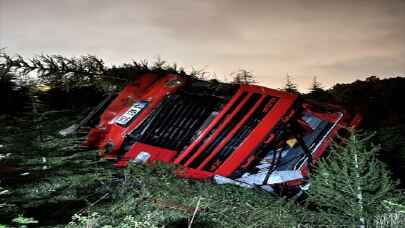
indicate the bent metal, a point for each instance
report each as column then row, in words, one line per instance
column 241, row 134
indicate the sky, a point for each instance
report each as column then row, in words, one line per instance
column 336, row 41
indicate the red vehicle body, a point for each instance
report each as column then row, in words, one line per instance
column 244, row 134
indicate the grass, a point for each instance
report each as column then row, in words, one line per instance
column 52, row 180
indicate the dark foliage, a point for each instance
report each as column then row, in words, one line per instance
column 51, row 178
column 72, row 83
column 14, row 98
column 290, row 86
column 244, row 77
column 318, row 93
column 380, row 100
column 392, row 141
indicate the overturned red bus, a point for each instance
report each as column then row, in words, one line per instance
column 231, row 133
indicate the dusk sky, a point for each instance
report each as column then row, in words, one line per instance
column 337, row 41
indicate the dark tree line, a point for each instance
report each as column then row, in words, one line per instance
column 74, row 82
column 82, row 82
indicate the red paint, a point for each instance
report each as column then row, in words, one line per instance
column 218, row 131
column 205, row 132
column 282, row 107
column 230, row 135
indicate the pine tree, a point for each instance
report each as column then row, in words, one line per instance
column 352, row 184
column 316, row 85
column 290, row 86
column 244, row 77
column 317, row 93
